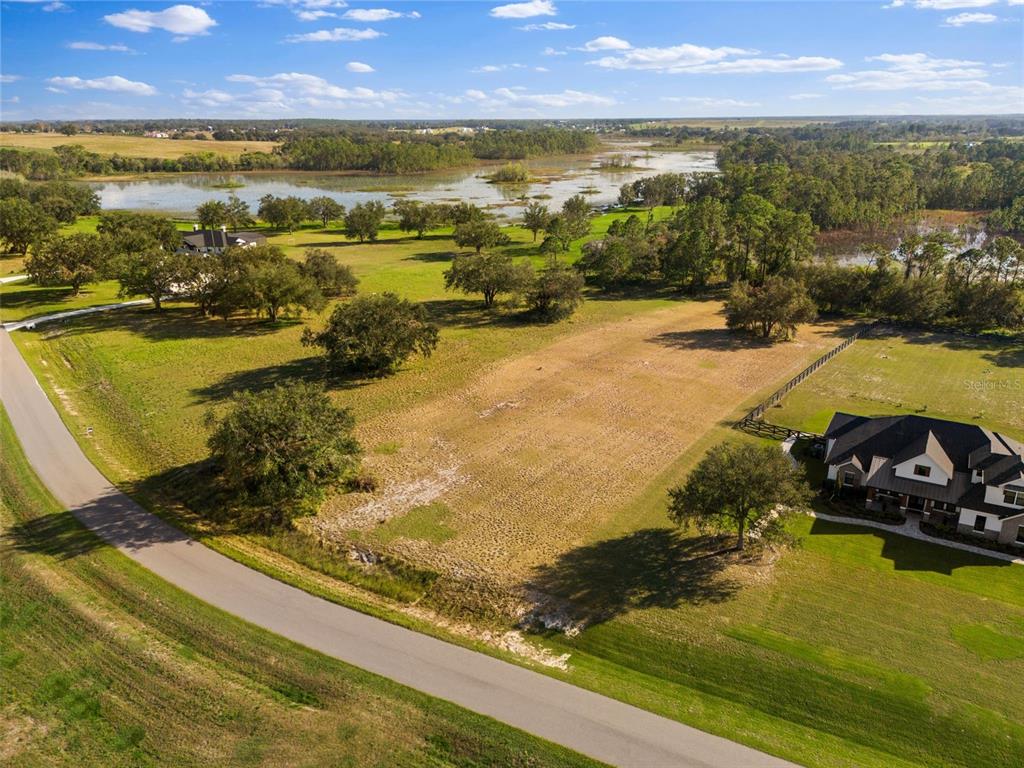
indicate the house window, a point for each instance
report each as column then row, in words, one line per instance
column 922, row 471
column 979, row 523
column 1013, row 497
column 849, row 478
column 1020, row 535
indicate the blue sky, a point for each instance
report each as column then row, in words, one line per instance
column 537, row 58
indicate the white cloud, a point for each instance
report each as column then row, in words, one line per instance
column 688, row 58
column 949, row 5
column 962, row 19
column 83, row 45
column 336, row 35
column 57, row 5
column 288, row 91
column 210, row 98
column 520, row 99
column 182, row 20
column 805, row 96
column 377, row 14
column 917, row 71
column 358, row 66
column 9, row 78
column 709, row 101
column 549, row 51
column 315, row 15
column 605, row 43
column 491, row 68
column 110, row 83
column 541, row 69
column 525, row 10
column 547, row 26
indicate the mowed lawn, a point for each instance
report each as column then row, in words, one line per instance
column 932, row 374
column 104, row 664
column 133, row 146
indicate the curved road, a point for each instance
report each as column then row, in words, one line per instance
column 587, row 722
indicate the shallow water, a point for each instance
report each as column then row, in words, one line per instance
column 560, row 178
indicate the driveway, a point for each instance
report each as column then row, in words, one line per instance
column 594, row 725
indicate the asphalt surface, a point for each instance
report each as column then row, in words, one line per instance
column 594, row 725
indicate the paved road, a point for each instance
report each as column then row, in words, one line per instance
column 12, row 279
column 32, row 322
column 595, row 725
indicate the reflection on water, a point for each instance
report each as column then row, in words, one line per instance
column 558, row 179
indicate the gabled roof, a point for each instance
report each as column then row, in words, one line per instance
column 926, row 444
column 960, row 449
column 218, row 238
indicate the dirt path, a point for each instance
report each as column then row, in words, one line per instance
column 540, row 451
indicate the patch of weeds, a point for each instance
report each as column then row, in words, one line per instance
column 427, row 522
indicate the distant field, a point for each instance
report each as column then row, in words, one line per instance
column 133, row 146
column 915, row 372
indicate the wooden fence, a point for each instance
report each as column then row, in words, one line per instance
column 754, row 422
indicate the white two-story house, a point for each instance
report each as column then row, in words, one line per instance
column 953, row 474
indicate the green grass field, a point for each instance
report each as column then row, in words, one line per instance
column 857, row 648
column 932, row 374
column 133, row 146
column 104, row 664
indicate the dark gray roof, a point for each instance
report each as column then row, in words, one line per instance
column 217, row 238
column 880, row 443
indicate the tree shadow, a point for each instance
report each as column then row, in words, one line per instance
column 112, row 519
column 1001, row 352
column 471, row 313
column 909, row 554
column 432, row 257
column 313, row 370
column 718, row 339
column 650, row 568
column 23, row 294
column 170, row 323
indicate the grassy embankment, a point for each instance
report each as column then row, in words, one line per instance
column 857, row 649
column 133, row 146
column 104, row 664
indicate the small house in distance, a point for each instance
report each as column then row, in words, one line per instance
column 216, row 240
column 957, row 475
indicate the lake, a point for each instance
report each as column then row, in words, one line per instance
column 557, row 180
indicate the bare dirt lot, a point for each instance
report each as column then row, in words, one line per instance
column 539, row 452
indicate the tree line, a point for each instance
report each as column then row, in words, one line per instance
column 372, row 152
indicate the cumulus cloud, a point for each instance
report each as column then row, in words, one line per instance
column 377, row 14
column 917, row 71
column 549, row 51
column 949, row 5
column 953, row 85
column 805, row 96
column 605, row 43
column 547, row 26
column 289, row 91
column 710, row 101
column 688, row 58
column 114, row 83
column 83, row 45
column 182, row 20
column 210, row 98
column 490, row 68
column 358, row 66
column 521, row 99
column 962, row 19
column 336, row 35
column 524, row 10
column 9, row 78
